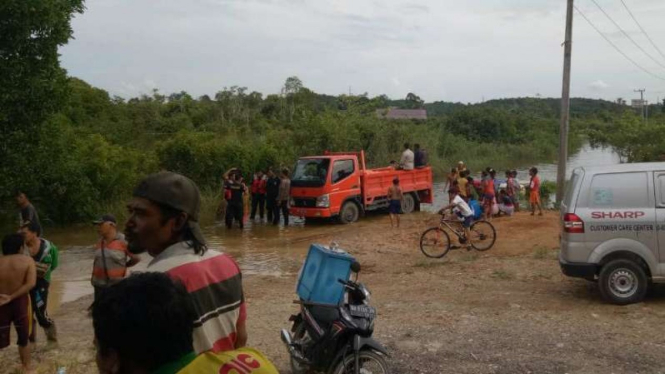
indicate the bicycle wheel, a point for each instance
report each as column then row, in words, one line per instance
column 483, row 235
column 434, row 242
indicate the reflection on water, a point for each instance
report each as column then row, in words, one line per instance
column 259, row 249
column 587, row 156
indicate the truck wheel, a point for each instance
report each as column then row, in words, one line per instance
column 349, row 213
column 622, row 282
column 408, row 204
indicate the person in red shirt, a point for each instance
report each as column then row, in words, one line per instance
column 258, row 195
column 534, row 195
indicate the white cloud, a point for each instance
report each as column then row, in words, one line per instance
column 441, row 49
column 598, row 85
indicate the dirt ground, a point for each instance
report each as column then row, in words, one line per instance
column 507, row 310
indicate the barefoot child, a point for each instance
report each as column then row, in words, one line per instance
column 488, row 194
column 395, row 195
column 534, row 195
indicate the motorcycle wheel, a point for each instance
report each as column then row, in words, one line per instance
column 296, row 366
column 371, row 362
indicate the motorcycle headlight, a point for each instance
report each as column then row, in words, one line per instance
column 323, row 201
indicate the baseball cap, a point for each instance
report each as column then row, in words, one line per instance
column 105, row 218
column 177, row 192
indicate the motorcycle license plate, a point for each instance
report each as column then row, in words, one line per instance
column 362, row 311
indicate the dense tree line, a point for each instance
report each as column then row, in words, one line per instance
column 97, row 146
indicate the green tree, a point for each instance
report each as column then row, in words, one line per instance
column 413, row 101
column 32, row 83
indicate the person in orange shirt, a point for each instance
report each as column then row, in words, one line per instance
column 488, row 194
column 111, row 255
column 534, row 194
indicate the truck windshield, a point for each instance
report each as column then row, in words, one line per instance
column 311, row 172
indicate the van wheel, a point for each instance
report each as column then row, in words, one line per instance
column 349, row 213
column 408, row 204
column 622, row 282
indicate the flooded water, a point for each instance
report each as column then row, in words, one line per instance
column 260, row 249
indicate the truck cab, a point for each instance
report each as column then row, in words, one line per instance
column 339, row 185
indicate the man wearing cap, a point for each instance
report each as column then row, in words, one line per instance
column 163, row 220
column 111, row 255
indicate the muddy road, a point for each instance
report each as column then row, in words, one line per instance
column 508, row 310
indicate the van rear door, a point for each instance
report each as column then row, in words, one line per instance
column 618, row 205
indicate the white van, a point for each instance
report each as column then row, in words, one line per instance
column 614, row 229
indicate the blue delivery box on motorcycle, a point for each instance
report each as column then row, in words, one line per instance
column 318, row 281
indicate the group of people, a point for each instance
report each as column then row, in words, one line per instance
column 185, row 314
column 26, row 267
column 411, row 159
column 269, row 197
column 487, row 193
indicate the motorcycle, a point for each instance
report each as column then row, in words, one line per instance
column 336, row 339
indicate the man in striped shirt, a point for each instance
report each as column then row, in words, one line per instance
column 163, row 220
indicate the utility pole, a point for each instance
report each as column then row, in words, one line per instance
column 641, row 91
column 565, row 105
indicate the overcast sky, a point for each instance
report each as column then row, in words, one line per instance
column 466, row 50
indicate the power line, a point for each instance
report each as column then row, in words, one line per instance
column 626, row 34
column 643, row 31
column 617, row 48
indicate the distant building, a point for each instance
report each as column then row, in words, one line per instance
column 637, row 103
column 394, row 113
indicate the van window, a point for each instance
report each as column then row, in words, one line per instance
column 574, row 180
column 619, row 190
column 661, row 188
column 341, row 170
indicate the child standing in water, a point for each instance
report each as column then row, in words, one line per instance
column 534, row 195
column 395, row 196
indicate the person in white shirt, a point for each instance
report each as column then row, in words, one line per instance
column 406, row 162
column 463, row 210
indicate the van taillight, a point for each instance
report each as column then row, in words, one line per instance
column 573, row 224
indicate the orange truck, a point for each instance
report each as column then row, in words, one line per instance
column 340, row 185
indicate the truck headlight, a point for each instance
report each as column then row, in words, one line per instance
column 323, row 201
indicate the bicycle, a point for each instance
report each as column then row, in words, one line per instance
column 435, row 241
